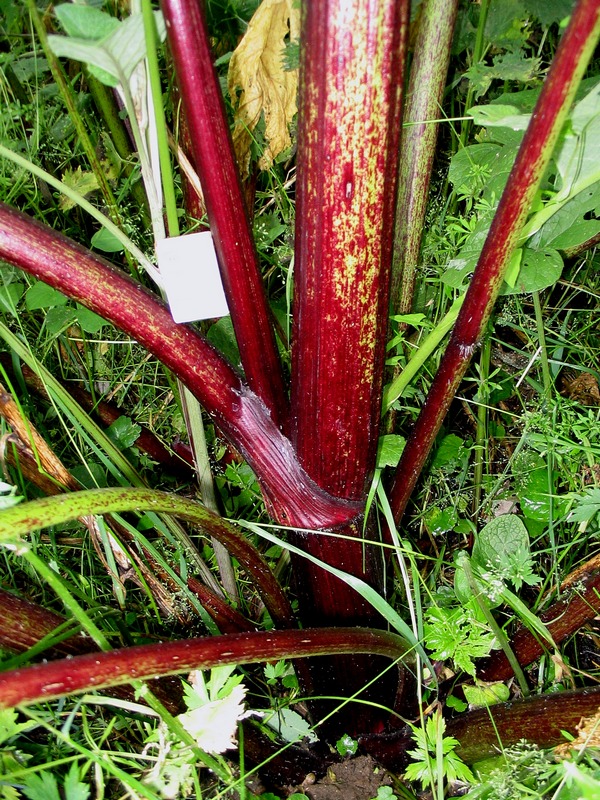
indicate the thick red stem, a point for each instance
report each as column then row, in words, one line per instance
column 239, row 413
column 569, row 65
column 213, row 157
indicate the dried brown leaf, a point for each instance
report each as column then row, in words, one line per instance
column 258, row 83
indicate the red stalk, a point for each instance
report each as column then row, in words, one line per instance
column 351, row 78
column 213, row 157
column 568, row 67
column 239, row 413
column 43, row 682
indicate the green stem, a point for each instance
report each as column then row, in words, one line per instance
column 481, row 452
column 494, row 627
column 105, row 104
column 539, row 324
column 50, row 577
column 166, row 170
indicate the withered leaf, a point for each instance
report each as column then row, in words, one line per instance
column 258, row 82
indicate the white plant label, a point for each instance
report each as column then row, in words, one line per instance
column 190, row 273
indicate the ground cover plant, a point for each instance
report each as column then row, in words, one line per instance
column 380, row 593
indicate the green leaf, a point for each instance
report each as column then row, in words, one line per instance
column 483, row 695
column 85, row 22
column 10, row 294
column 389, row 450
column 74, row 788
column 9, row 726
column 40, row 295
column 539, row 269
column 450, row 451
column 106, row 241
column 549, row 11
column 41, row 786
column 573, row 223
column 501, row 537
column 290, row 726
column 588, row 506
column 346, row 746
column 58, row 318
column 89, row 321
column 123, row 432
column 495, row 115
column 113, row 58
column 502, row 549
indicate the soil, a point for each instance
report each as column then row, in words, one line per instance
column 356, row 779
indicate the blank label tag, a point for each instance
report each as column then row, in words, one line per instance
column 192, row 281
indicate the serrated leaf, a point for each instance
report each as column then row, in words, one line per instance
column 74, row 788
column 40, row 295
column 588, row 506
column 82, row 182
column 41, row 786
column 123, row 432
column 290, row 726
column 549, row 11
column 259, row 83
column 9, row 726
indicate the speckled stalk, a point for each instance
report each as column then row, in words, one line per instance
column 239, row 413
column 540, row 720
column 569, row 65
column 44, row 682
column 17, row 521
column 214, row 161
column 419, row 135
column 351, row 76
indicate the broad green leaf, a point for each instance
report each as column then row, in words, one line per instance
column 498, row 540
column 10, row 294
column 577, row 159
column 89, row 321
column 106, row 241
column 58, row 318
column 494, row 115
column 40, row 295
column 449, row 452
column 114, row 57
column 483, row 695
column 9, row 726
column 438, row 521
column 539, row 269
column 389, row 450
column 85, row 22
column 123, row 432
column 573, row 224
column 549, row 11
